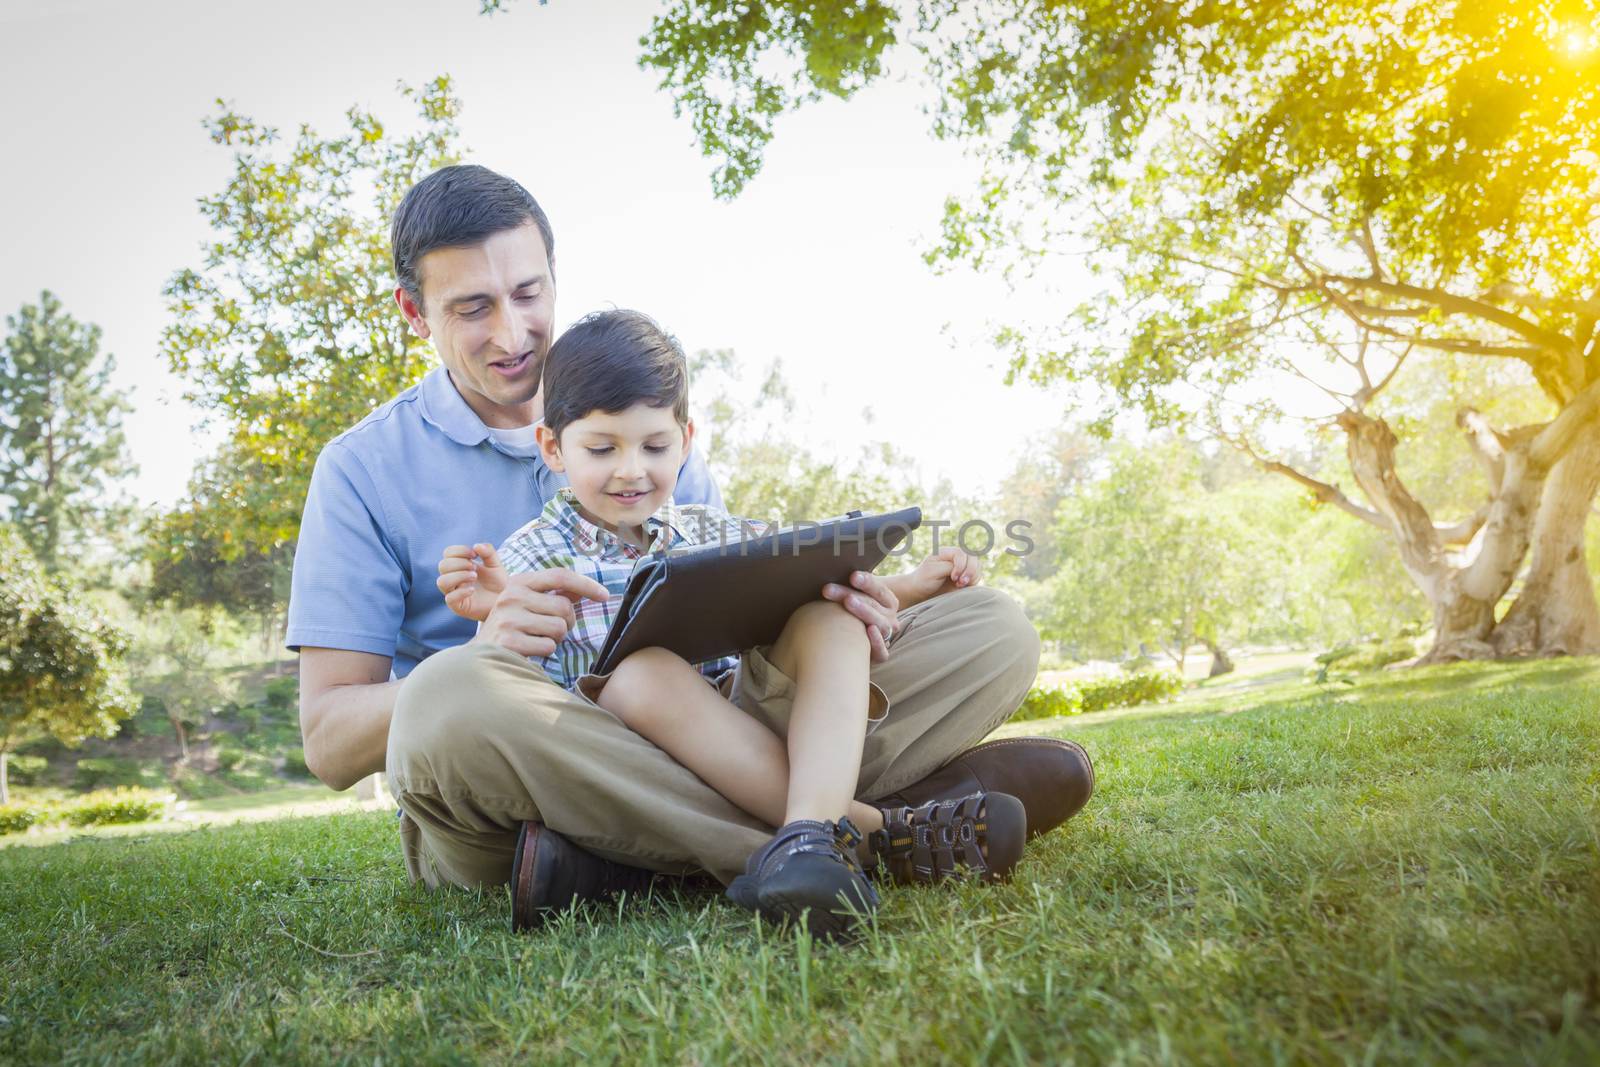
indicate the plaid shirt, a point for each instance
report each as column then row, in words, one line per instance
column 560, row 537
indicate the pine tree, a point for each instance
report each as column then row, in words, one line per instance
column 61, row 441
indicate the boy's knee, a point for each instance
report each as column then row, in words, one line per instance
column 824, row 618
column 634, row 688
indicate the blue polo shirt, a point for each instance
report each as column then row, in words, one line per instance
column 388, row 495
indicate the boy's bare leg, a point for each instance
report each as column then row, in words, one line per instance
column 825, row 650
column 666, row 701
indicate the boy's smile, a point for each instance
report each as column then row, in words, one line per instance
column 622, row 466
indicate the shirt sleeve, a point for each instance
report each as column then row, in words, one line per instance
column 349, row 585
column 695, row 483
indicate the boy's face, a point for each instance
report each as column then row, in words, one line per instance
column 622, row 466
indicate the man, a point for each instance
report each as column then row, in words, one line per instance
column 500, row 775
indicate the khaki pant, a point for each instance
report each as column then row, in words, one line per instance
column 481, row 740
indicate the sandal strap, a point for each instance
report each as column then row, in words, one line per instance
column 933, row 840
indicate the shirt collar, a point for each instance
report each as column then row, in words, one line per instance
column 665, row 526
column 444, row 407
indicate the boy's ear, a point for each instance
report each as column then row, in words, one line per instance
column 550, row 448
column 688, row 434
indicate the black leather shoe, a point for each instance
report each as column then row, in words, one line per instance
column 1053, row 778
column 550, row 873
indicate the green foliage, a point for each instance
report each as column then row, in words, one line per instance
column 102, row 771
column 1280, row 201
column 735, row 66
column 1370, row 655
column 287, row 334
column 294, row 763
column 174, row 651
column 228, row 755
column 249, row 717
column 1049, row 702
column 15, row 818
column 61, row 443
column 281, row 694
column 60, row 661
column 767, row 472
column 27, row 770
column 1128, row 690
column 1149, row 555
column 115, row 806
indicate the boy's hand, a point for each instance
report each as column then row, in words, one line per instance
column 946, row 570
column 471, row 579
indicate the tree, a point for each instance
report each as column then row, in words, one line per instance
column 1305, row 193
column 194, row 564
column 766, row 472
column 1148, row 556
column 287, row 331
column 1051, row 469
column 61, row 441
column 60, row 669
column 173, row 651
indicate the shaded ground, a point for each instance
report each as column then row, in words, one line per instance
column 1407, row 871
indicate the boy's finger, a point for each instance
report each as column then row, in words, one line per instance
column 490, row 557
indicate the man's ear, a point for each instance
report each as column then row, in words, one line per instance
column 550, row 448
column 412, row 311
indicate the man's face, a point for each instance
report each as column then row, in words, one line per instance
column 488, row 309
column 622, row 467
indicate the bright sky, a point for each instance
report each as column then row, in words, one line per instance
column 817, row 264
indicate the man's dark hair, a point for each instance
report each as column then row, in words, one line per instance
column 610, row 361
column 457, row 207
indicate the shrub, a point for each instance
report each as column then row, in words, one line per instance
column 15, row 818
column 282, row 693
column 1114, row 692
column 228, row 756
column 1146, row 687
column 1366, row 656
column 116, row 806
column 101, row 772
column 26, row 770
column 1049, row 704
column 294, row 763
column 249, row 717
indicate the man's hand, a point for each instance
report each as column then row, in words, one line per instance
column 869, row 599
column 471, row 579
column 533, row 614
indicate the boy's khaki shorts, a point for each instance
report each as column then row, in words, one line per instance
column 760, row 690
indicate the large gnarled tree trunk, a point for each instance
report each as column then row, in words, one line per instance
column 1542, row 481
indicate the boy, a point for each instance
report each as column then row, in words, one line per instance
column 779, row 730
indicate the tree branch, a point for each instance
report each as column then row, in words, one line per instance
column 1461, row 305
column 1465, row 530
column 1488, row 445
column 1562, row 431
column 1323, row 491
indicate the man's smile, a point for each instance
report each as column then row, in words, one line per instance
column 512, row 366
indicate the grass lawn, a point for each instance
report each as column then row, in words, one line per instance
column 1403, row 872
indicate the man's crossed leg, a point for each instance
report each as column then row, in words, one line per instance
column 481, row 743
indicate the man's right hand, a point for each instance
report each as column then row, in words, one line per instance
column 534, row 613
